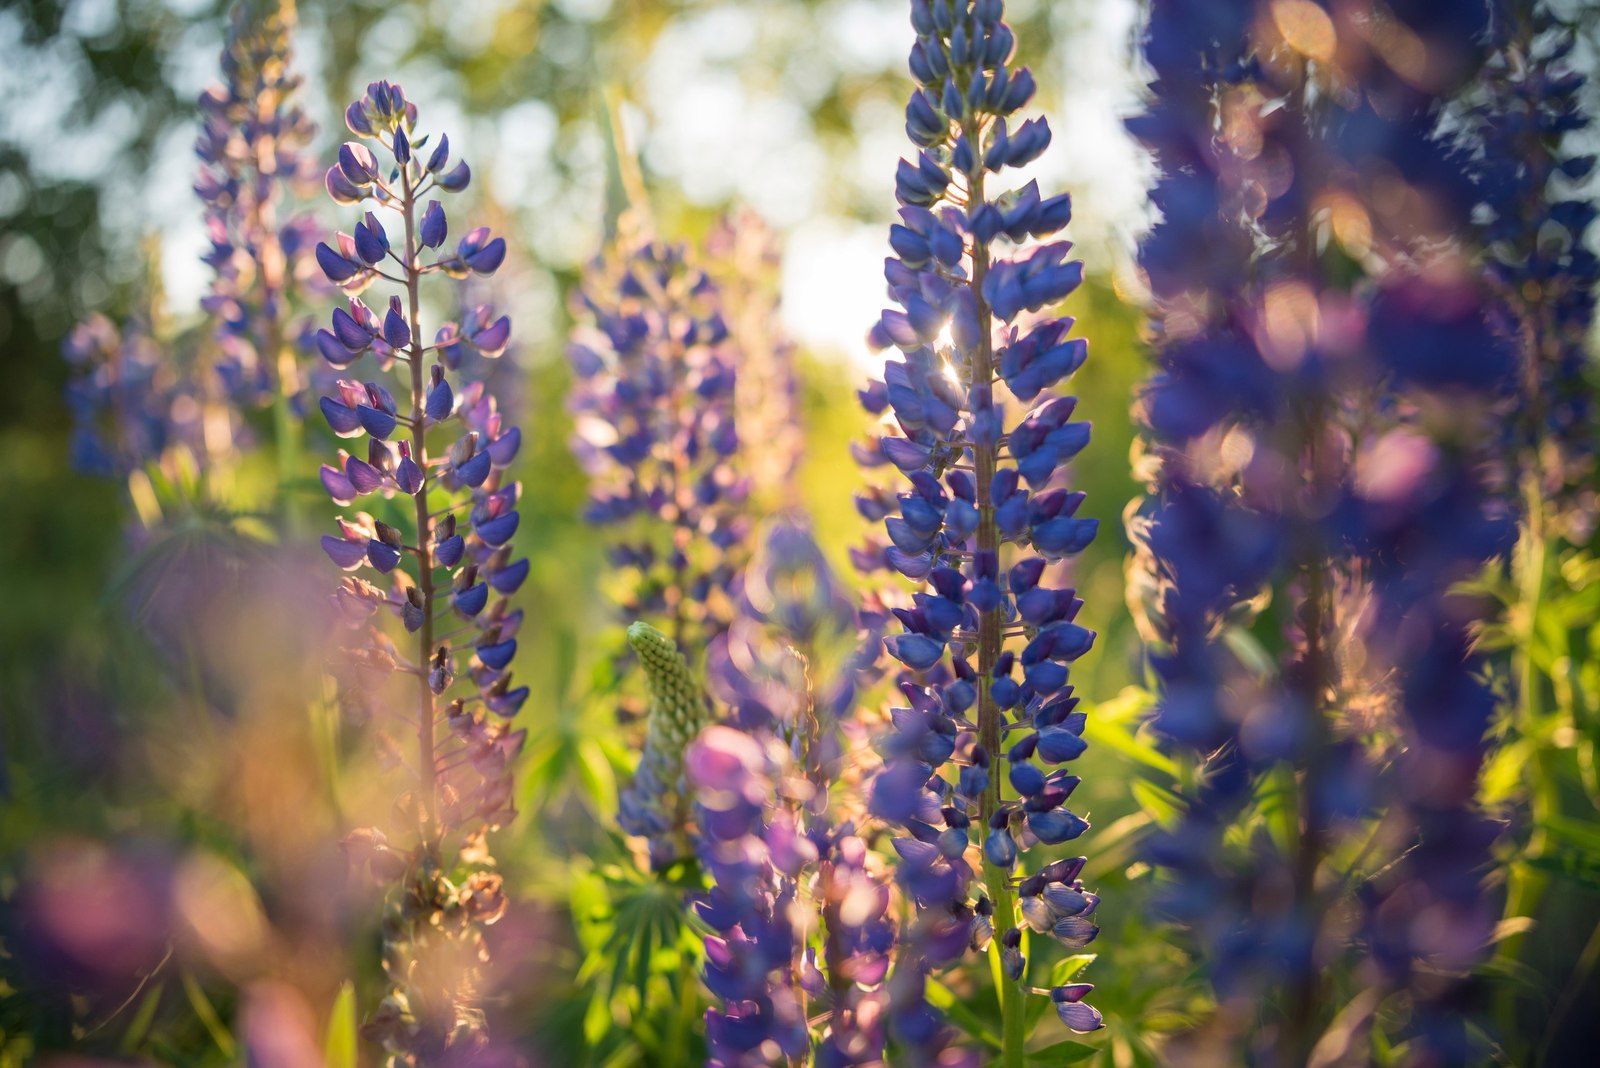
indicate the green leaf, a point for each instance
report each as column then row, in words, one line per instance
column 1252, row 654
column 1583, row 835
column 597, row 1018
column 1162, row 806
column 1503, row 776
column 340, row 1045
column 594, row 772
column 1068, row 1052
column 1114, row 725
column 139, row 1026
column 1570, row 866
column 1067, row 967
column 207, row 1014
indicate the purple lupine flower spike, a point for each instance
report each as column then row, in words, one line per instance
column 435, row 463
column 1541, row 264
column 654, row 406
column 744, row 257
column 125, row 397
column 981, row 514
column 1293, row 456
column 252, row 147
column 135, row 395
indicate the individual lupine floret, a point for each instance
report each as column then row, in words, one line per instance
column 987, row 641
column 655, row 805
column 252, row 148
column 435, row 472
column 654, row 407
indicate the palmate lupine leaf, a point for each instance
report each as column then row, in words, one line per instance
column 633, row 930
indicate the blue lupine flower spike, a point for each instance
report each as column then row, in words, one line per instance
column 982, row 520
column 435, row 468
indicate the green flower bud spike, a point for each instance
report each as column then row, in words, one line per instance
column 656, row 805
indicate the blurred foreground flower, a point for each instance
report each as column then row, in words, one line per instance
column 1316, row 442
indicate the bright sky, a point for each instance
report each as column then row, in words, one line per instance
column 723, row 107
column 720, row 140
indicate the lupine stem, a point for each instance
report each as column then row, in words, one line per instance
column 990, row 641
column 425, row 710
column 1315, row 611
column 285, row 428
column 1306, row 993
column 1526, row 884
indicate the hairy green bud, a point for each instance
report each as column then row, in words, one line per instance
column 656, row 805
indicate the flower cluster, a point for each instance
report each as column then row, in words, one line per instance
column 767, row 793
column 252, row 149
column 435, row 470
column 781, row 874
column 795, row 630
column 125, row 396
column 654, row 409
column 1316, row 444
column 783, row 857
column 982, row 515
column 137, row 395
column 1541, row 265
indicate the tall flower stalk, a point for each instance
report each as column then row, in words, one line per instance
column 136, row 397
column 654, row 408
column 1536, row 230
column 980, row 520
column 447, row 513
column 1316, row 318
column 800, row 908
column 253, row 156
column 744, row 257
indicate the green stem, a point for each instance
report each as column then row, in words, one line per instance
column 683, row 1020
column 286, row 445
column 1526, row 885
column 991, row 640
column 426, row 762
column 1587, row 959
column 1305, row 995
column 1013, row 1022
